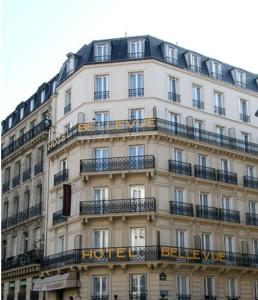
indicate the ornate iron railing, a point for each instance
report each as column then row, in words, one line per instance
column 206, row 297
column 61, row 176
column 16, row 180
column 135, row 55
column 207, row 212
column 6, row 187
column 23, row 215
column 38, row 168
column 115, row 206
column 198, row 104
column 67, row 108
column 180, row 167
column 117, row 163
column 219, row 110
column 26, row 137
column 30, row 257
column 101, row 95
column 251, row 219
column 171, row 60
column 141, row 295
column 245, row 118
column 233, row 298
column 195, row 68
column 136, row 92
column 26, row 175
column 251, row 182
column 161, row 125
column 35, row 210
column 173, row 97
column 216, row 76
column 204, row 172
column 103, row 297
column 181, row 208
column 58, row 217
column 102, row 58
column 229, row 215
column 183, row 297
column 227, row 177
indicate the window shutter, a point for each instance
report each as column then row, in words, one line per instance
column 67, row 191
column 197, row 242
column 244, row 247
column 77, row 241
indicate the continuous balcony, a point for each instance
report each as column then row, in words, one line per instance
column 67, row 108
column 22, row 295
column 181, row 208
column 195, row 68
column 180, row 167
column 102, row 58
column 26, row 175
column 173, row 97
column 171, row 60
column 198, row 104
column 58, row 217
column 135, row 55
column 118, row 206
column 5, row 187
column 207, row 212
column 27, row 258
column 136, row 92
column 251, row 182
column 160, row 125
column 251, row 219
column 227, row 177
column 245, row 118
column 38, row 168
column 103, row 297
column 233, row 298
column 130, row 163
column 206, row 297
column 43, row 126
column 149, row 253
column 229, row 215
column 204, row 172
column 217, row 76
column 219, row 110
column 183, row 297
column 142, row 295
column 16, row 181
column 101, row 95
column 61, row 176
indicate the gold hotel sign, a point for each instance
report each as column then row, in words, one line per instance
column 165, row 253
column 84, row 128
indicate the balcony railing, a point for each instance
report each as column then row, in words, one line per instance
column 180, row 167
column 35, row 210
column 16, row 180
column 204, row 172
column 251, row 182
column 43, row 126
column 23, row 215
column 67, row 108
column 135, row 55
column 245, row 118
column 13, row 220
column 117, row 163
column 61, row 176
column 252, row 219
column 34, row 295
column 173, row 97
column 229, row 215
column 135, row 295
column 206, row 297
column 103, row 297
column 38, row 168
column 101, row 95
column 198, row 104
column 207, row 212
column 22, row 296
column 4, row 223
column 10, row 296
column 136, row 92
column 219, row 110
column 227, row 177
column 58, row 217
column 241, row 83
column 183, row 297
column 181, row 208
column 102, row 58
column 6, row 187
column 171, row 60
column 233, row 298
column 195, row 68
column 26, row 175
column 118, row 206
column 216, row 76
column 161, row 125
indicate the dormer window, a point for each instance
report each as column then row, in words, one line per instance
column 70, row 64
column 195, row 63
column 102, row 52
column 239, row 77
column 31, row 104
column 42, row 96
column 136, row 49
column 216, row 70
column 10, row 122
column 21, row 113
column 171, row 55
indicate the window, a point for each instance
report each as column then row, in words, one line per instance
column 31, row 104
column 229, row 243
column 100, row 193
column 195, row 63
column 226, row 203
column 171, row 55
column 181, row 238
column 68, row 101
column 138, row 286
column 202, row 160
column 136, row 150
column 12, row 139
column 255, row 246
column 232, row 287
column 182, row 286
column 42, row 96
column 136, row 49
column 102, row 117
column 137, row 191
column 63, row 165
column 138, row 237
column 100, row 286
column 220, row 134
column 204, row 199
column 216, row 70
column 14, row 246
column 68, row 127
column 136, row 114
column 100, row 238
column 244, row 115
column 225, row 166
column 250, row 171
column 60, row 244
column 178, row 195
column 172, row 90
column 10, row 122
column 102, row 52
column 219, row 104
column 240, row 78
column 178, row 155
column 252, row 207
column 196, row 95
column 136, row 85
column 101, row 159
column 207, row 242
column 32, row 124
column 101, row 87
column 246, row 137
column 209, row 287
column 70, row 65
column 21, row 113
column 54, row 87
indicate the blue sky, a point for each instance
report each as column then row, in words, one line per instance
column 37, row 34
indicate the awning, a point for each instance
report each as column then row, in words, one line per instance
column 64, row 281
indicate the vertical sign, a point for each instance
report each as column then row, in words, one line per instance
column 67, row 189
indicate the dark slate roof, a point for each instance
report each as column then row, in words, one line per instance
column 119, row 52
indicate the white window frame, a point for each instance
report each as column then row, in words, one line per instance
column 101, row 279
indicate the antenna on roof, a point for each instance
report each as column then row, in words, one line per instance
column 125, row 34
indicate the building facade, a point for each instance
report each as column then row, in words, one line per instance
column 152, row 176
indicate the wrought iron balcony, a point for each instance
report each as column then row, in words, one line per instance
column 27, row 258
column 101, row 95
column 245, row 118
column 204, row 172
column 252, row 219
column 233, row 298
column 135, row 55
column 195, row 68
column 219, row 110
column 43, row 126
column 34, row 295
column 229, row 215
column 16, row 180
column 240, row 83
column 198, row 104
column 227, row 177
column 118, row 206
column 180, row 167
column 38, row 168
column 35, row 210
column 103, row 297
column 22, row 296
column 117, row 163
column 13, row 220
column 58, row 217
column 207, row 212
column 216, row 76
column 23, row 215
column 4, row 223
column 6, row 187
column 135, row 295
column 251, row 182
column 102, row 58
column 181, row 208
column 183, row 297
column 206, row 297
column 171, row 60
column 173, row 97
column 26, row 175
column 136, row 92
column 61, row 176
column 67, row 108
